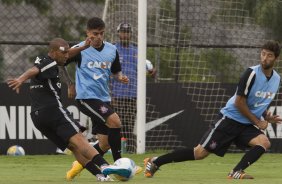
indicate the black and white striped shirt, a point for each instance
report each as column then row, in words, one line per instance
column 45, row 88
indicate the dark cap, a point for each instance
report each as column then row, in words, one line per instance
column 124, row 27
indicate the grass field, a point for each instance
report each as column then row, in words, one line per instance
column 51, row 169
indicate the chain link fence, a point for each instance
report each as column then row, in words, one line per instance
column 26, row 26
column 199, row 44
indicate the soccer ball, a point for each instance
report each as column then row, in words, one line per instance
column 149, row 65
column 16, row 151
column 128, row 164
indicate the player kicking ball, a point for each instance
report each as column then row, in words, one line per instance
column 241, row 121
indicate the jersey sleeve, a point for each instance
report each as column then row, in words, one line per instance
column 48, row 68
column 116, row 66
column 246, row 82
column 76, row 59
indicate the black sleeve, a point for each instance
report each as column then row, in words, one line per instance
column 48, row 68
column 246, row 82
column 116, row 67
column 76, row 59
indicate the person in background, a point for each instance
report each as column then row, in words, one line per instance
column 124, row 96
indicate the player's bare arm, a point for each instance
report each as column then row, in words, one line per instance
column 241, row 104
column 17, row 82
column 67, row 79
column 75, row 50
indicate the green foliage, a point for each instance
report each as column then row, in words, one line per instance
column 223, row 65
column 214, row 65
column 231, row 12
column 167, row 9
column 59, row 25
column 265, row 13
column 42, row 7
column 68, row 27
column 268, row 14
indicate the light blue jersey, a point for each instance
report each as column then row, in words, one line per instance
column 93, row 73
column 259, row 95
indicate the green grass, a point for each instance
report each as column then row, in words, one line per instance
column 51, row 169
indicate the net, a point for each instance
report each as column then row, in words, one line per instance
column 203, row 46
column 199, row 48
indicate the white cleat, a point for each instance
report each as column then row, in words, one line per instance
column 102, row 178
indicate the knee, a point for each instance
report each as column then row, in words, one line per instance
column 261, row 140
column 200, row 153
column 266, row 143
column 105, row 147
column 113, row 121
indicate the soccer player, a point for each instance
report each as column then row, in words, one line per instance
column 239, row 122
column 48, row 114
column 96, row 61
column 124, row 96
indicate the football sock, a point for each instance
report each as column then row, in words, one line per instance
column 250, row 157
column 92, row 168
column 99, row 160
column 175, row 156
column 115, row 142
column 97, row 147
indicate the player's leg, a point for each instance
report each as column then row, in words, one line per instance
column 213, row 141
column 106, row 115
column 65, row 132
column 259, row 144
column 77, row 168
column 98, row 128
column 102, row 145
column 114, row 135
column 87, row 157
column 101, row 131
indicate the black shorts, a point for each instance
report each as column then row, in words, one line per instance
column 226, row 131
column 98, row 111
column 56, row 124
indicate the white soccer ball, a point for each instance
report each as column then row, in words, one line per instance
column 149, row 65
column 128, row 164
column 16, row 150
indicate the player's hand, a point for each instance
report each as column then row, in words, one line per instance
column 15, row 84
column 87, row 42
column 71, row 91
column 123, row 79
column 272, row 118
column 262, row 124
column 152, row 72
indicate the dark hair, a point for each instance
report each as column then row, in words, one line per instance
column 95, row 23
column 56, row 43
column 272, row 46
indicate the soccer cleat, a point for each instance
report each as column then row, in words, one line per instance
column 74, row 171
column 239, row 175
column 138, row 169
column 103, row 178
column 150, row 167
column 116, row 170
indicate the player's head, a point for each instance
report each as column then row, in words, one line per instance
column 270, row 52
column 59, row 50
column 124, row 32
column 96, row 30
